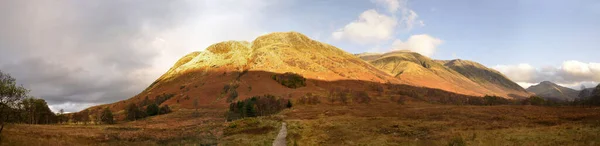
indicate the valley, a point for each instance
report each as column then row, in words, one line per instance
column 379, row 123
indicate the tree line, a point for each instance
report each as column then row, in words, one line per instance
column 17, row 107
column 257, row 106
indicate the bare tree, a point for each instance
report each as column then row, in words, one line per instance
column 10, row 95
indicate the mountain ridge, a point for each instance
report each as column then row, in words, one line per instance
column 553, row 91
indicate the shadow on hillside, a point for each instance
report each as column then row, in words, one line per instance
column 324, row 89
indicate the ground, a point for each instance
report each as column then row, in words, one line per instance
column 377, row 123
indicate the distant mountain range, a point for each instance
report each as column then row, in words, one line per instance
column 552, row 91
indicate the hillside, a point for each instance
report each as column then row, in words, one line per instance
column 210, row 77
column 486, row 77
column 553, row 91
column 458, row 76
column 585, row 93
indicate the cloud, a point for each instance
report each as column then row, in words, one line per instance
column 392, row 5
column 79, row 53
column 423, row 44
column 410, row 20
column 519, row 73
column 371, row 27
column 374, row 27
column 570, row 73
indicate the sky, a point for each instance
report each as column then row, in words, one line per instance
column 76, row 54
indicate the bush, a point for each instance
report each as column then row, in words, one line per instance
column 309, row 98
column 457, row 141
column 256, row 106
column 232, row 96
column 289, row 104
column 164, row 110
column 162, row 98
column 361, row 97
column 495, row 100
column 290, row 80
column 534, row 100
column 152, row 110
column 133, row 112
column 107, row 116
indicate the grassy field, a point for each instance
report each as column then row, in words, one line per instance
column 181, row 127
column 427, row 124
column 356, row 124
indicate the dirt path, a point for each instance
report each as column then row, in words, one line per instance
column 280, row 140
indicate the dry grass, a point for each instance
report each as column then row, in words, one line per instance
column 177, row 128
column 377, row 123
column 427, row 124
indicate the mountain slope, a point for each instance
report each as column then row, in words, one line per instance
column 484, row 76
column 458, row 76
column 208, row 77
column 585, row 93
column 553, row 91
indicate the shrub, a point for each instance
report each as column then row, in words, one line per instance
column 309, row 98
column 162, row 98
column 232, row 96
column 133, row 112
column 289, row 104
column 495, row 100
column 164, row 110
column 534, row 100
column 457, row 141
column 290, row 80
column 152, row 110
column 361, row 97
column 255, row 106
column 107, row 116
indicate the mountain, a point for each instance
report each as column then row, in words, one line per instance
column 585, row 93
column 247, row 68
column 465, row 77
column 549, row 90
column 486, row 77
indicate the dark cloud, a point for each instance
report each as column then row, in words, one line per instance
column 82, row 52
column 76, row 54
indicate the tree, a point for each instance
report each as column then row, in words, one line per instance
column 534, row 100
column 134, row 113
column 152, row 109
column 10, row 95
column 107, row 116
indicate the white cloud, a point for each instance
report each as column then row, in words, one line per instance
column 375, row 27
column 570, row 73
column 371, row 27
column 523, row 73
column 392, row 5
column 410, row 20
column 423, row 44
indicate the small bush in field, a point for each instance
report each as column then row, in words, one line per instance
column 290, row 80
